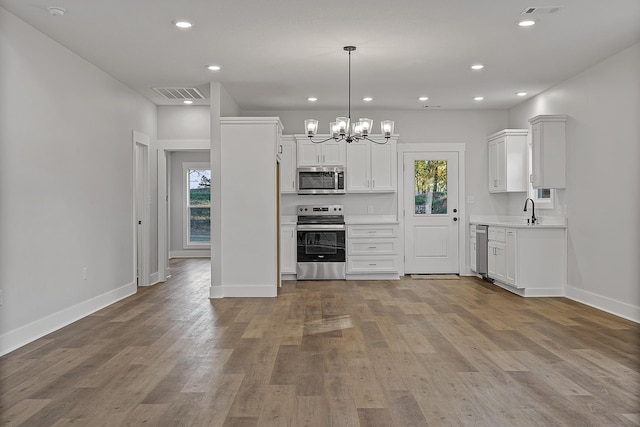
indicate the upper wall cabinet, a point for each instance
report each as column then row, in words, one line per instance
column 508, row 168
column 548, row 148
column 287, row 156
column 371, row 167
column 330, row 153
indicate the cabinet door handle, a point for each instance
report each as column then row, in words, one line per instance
column 324, row 158
column 292, row 233
column 280, row 149
column 367, row 183
column 374, row 183
column 318, row 158
column 293, row 184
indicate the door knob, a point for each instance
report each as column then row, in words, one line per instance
column 455, row 219
column 455, row 210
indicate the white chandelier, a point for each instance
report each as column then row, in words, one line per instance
column 343, row 129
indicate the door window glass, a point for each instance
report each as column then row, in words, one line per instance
column 321, row 243
column 430, row 187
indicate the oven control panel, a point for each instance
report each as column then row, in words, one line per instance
column 320, row 210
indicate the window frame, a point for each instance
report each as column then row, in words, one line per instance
column 186, row 223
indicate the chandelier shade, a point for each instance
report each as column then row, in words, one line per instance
column 343, row 129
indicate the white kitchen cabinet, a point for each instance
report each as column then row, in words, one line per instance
column 473, row 249
column 529, row 261
column 508, row 161
column 287, row 155
column 371, row 167
column 496, row 261
column 511, row 255
column 372, row 249
column 288, row 248
column 330, row 153
column 548, row 149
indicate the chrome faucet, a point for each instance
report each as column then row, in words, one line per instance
column 533, row 210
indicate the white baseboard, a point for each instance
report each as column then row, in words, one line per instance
column 618, row 308
column 23, row 335
column 191, row 253
column 376, row 276
column 243, row 291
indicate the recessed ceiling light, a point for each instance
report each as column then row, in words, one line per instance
column 312, row 99
column 477, row 67
column 526, row 23
column 423, row 98
column 183, row 24
column 187, row 101
column 521, row 93
column 367, row 99
column 478, row 98
column 214, row 68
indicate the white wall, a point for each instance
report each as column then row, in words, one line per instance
column 244, row 193
column 184, row 122
column 176, row 197
column 66, row 184
column 603, row 179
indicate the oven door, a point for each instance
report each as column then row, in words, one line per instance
column 321, row 254
column 321, row 245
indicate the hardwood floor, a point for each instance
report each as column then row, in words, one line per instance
column 334, row 353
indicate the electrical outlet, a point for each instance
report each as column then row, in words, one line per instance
column 84, row 273
column 370, row 209
column 471, row 199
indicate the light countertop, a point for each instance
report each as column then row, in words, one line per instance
column 518, row 221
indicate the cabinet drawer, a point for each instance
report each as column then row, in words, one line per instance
column 372, row 247
column 356, row 231
column 372, row 264
column 497, row 234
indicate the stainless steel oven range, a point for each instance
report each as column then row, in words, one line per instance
column 321, row 252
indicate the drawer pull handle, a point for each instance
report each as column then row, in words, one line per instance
column 373, row 264
column 372, row 231
column 373, row 247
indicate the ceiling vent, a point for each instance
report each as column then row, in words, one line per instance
column 543, row 10
column 179, row 93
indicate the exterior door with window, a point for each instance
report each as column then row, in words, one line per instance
column 431, row 212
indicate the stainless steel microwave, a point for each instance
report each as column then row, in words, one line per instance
column 321, row 180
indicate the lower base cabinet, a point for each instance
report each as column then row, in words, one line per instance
column 372, row 249
column 529, row 259
column 288, row 249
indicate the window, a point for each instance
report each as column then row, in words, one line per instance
column 430, row 187
column 543, row 197
column 197, row 212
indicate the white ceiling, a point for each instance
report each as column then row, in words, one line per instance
column 276, row 53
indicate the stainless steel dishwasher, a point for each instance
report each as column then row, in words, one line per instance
column 481, row 249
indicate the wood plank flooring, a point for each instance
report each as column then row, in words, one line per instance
column 333, row 353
